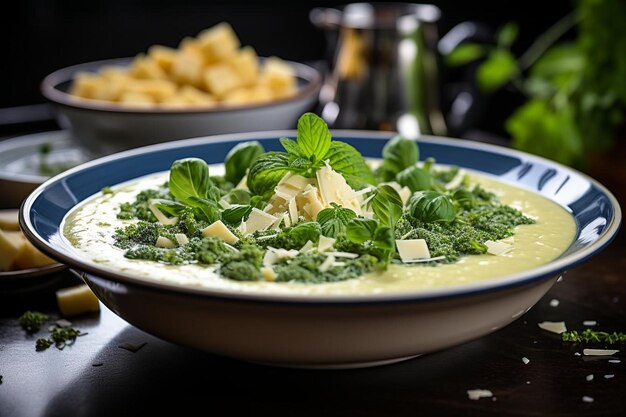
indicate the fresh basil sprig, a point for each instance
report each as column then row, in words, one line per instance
column 388, row 209
column 235, row 214
column 334, row 220
column 239, row 158
column 399, row 153
column 431, row 206
column 312, row 148
column 189, row 182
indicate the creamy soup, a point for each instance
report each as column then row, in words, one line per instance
column 91, row 226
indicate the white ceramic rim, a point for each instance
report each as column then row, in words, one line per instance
column 556, row 266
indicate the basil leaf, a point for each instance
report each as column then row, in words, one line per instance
column 239, row 159
column 266, row 171
column 398, row 154
column 415, row 178
column 347, row 161
column 384, row 238
column 334, row 220
column 464, row 198
column 431, row 206
column 173, row 208
column 360, row 230
column 236, row 214
column 313, row 136
column 204, row 208
column 304, row 232
column 238, row 196
column 189, row 177
column 291, row 146
column 387, row 205
column 303, row 166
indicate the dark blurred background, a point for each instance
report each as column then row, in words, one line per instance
column 46, row 35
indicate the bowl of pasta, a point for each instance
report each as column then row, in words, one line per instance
column 209, row 84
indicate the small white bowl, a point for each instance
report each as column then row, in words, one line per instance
column 106, row 127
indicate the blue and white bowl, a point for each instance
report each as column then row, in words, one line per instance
column 320, row 331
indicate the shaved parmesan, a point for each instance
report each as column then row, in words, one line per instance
column 412, row 249
column 163, row 242
column 224, row 204
column 268, row 273
column 293, row 211
column 599, row 352
column 258, row 220
column 328, row 262
column 325, row 243
column 274, row 255
column 243, row 184
column 181, row 238
column 343, row 254
column 456, row 181
column 405, row 194
column 162, row 218
column 497, row 247
column 553, row 326
column 476, row 394
column 219, row 229
column 418, row 261
column 307, row 246
column 334, row 189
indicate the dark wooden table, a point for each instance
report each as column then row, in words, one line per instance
column 96, row 376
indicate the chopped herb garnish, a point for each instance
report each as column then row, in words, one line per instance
column 61, row 334
column 31, row 321
column 593, row 336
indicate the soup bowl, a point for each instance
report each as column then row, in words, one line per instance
column 322, row 331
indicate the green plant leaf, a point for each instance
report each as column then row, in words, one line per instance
column 387, row 205
column 497, row 70
column 291, row 146
column 303, row 166
column 384, row 238
column 415, row 178
column 239, row 159
column 507, row 34
column 238, row 196
column 399, row 153
column 465, row 53
column 173, row 208
column 302, row 232
column 334, row 220
column 537, row 127
column 313, row 136
column 266, row 171
column 236, row 214
column 189, row 177
column 347, row 161
column 431, row 206
column 361, row 230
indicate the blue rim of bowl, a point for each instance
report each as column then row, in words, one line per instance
column 546, row 271
column 50, row 90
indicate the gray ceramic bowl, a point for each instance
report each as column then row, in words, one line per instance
column 104, row 128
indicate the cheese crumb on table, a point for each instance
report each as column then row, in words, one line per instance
column 553, row 326
column 599, row 352
column 476, row 394
column 77, row 300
